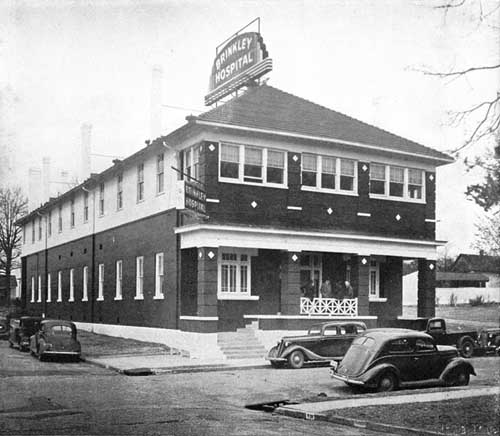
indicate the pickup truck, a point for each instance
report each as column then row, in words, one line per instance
column 467, row 342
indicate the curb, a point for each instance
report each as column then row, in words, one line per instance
column 357, row 423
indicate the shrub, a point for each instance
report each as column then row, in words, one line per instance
column 478, row 301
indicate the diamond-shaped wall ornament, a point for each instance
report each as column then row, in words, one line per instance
column 398, row 217
column 295, row 257
column 364, row 261
column 200, row 254
column 431, row 266
column 295, row 158
column 329, row 211
column 253, row 204
column 211, row 254
column 364, row 168
column 431, row 177
column 211, row 147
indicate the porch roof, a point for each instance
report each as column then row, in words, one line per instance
column 212, row 235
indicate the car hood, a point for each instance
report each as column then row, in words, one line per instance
column 302, row 338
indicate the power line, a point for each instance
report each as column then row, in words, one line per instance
column 181, row 108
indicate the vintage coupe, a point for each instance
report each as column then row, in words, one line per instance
column 386, row 359
column 323, row 342
column 55, row 338
column 20, row 331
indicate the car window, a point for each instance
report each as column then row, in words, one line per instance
column 60, row 330
column 314, row 331
column 342, row 330
column 330, row 331
column 399, row 346
column 435, row 325
column 364, row 340
column 360, row 329
column 350, row 330
column 424, row 345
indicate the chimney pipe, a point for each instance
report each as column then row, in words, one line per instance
column 86, row 130
column 34, row 188
column 156, row 101
column 46, row 178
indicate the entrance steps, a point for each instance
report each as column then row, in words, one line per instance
column 241, row 344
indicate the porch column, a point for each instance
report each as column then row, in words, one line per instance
column 360, row 282
column 426, row 300
column 290, row 284
column 207, row 281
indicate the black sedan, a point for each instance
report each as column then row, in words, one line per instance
column 385, row 359
column 55, row 338
column 21, row 329
column 323, row 342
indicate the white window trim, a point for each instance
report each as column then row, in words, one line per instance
column 119, row 280
column 158, row 293
column 49, row 288
column 100, row 289
column 39, row 300
column 241, row 167
column 405, row 198
column 85, row 283
column 238, row 295
column 59, row 287
column 376, row 269
column 139, row 293
column 319, row 166
column 158, row 173
column 71, row 285
column 32, row 289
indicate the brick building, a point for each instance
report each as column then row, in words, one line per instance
column 295, row 193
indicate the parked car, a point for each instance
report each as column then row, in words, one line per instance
column 20, row 331
column 323, row 342
column 386, row 359
column 55, row 338
column 489, row 340
column 4, row 328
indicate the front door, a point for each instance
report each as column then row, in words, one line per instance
column 311, row 270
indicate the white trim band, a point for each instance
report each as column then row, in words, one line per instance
column 312, row 317
column 213, row 200
column 428, row 220
column 237, row 297
column 199, row 318
column 364, row 214
column 294, row 207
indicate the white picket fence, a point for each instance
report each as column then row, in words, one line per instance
column 329, row 306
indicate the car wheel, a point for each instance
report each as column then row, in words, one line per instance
column 459, row 378
column 296, row 359
column 466, row 348
column 387, row 382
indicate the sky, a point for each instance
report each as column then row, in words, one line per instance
column 64, row 63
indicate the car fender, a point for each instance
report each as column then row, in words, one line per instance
column 457, row 363
column 308, row 353
column 370, row 377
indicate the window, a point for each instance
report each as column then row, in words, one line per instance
column 71, row 285
column 32, row 289
column 424, row 345
column 139, row 278
column 245, row 164
column 160, row 176
column 396, row 182
column 24, row 234
column 101, row 199
column 100, row 289
column 328, row 173
column 59, row 219
column 33, row 232
column 159, row 277
column 49, row 223
column 49, row 288
column 119, row 192
column 59, row 286
column 377, row 179
column 118, row 295
column 374, row 285
column 415, row 184
column 39, row 228
column 331, row 330
column 85, row 284
column 399, row 346
column 234, row 274
column 72, row 213
column 39, row 299
column 140, row 182
column 85, row 206
column 311, row 266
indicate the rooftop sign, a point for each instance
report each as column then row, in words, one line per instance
column 242, row 58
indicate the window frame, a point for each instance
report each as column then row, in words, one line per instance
column 337, row 174
column 85, row 206
column 160, row 173
column 159, row 276
column 32, row 289
column 49, row 288
column 85, row 283
column 374, row 269
column 238, row 263
column 59, row 286
column 100, row 282
column 119, row 279
column 140, row 182
column 119, row 192
column 39, row 299
column 406, row 184
column 264, row 166
column 101, row 198
column 72, row 213
column 71, row 285
column 139, row 278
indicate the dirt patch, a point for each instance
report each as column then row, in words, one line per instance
column 102, row 345
column 467, row 416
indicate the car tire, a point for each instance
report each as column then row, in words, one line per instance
column 460, row 377
column 387, row 382
column 296, row 359
column 466, row 348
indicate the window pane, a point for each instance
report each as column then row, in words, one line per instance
column 308, row 178
column 415, row 191
column 230, row 153
column 328, row 165
column 396, row 189
column 274, row 175
column 347, row 167
column 232, row 278
column 347, row 183
column 253, row 156
column 377, row 172
column 414, row 176
column 397, row 175
column 328, row 181
column 275, row 159
column 229, row 170
column 244, row 278
column 309, row 163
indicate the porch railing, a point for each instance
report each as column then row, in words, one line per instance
column 329, row 306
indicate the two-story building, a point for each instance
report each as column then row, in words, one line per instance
column 296, row 194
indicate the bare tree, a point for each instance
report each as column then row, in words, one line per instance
column 488, row 235
column 13, row 205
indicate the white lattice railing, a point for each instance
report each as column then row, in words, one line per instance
column 329, row 307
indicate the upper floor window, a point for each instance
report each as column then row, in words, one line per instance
column 191, row 162
column 140, row 182
column 33, row 232
column 39, row 228
column 59, row 219
column 85, row 206
column 329, row 173
column 396, row 182
column 72, row 212
column 160, row 173
column 119, row 192
column 24, row 234
column 101, row 199
column 247, row 164
column 49, row 223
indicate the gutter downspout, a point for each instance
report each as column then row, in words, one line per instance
column 92, row 261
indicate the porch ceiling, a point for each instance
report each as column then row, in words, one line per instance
column 209, row 235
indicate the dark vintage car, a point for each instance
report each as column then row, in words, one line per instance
column 323, row 342
column 386, row 359
column 20, row 331
column 4, row 328
column 55, row 338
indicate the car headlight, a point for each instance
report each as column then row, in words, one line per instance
column 287, row 344
column 334, row 364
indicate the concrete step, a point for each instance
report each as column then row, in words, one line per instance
column 245, row 355
column 256, row 347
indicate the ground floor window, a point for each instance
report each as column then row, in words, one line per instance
column 159, row 277
column 310, row 274
column 32, row 289
column 119, row 268
column 59, row 286
column 85, row 295
column 374, row 285
column 39, row 289
column 234, row 270
column 139, row 278
column 71, row 285
column 100, row 289
column 49, row 288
